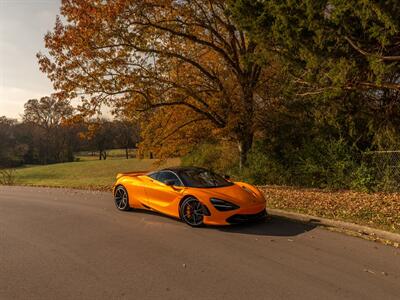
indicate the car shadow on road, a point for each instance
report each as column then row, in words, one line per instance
column 272, row 226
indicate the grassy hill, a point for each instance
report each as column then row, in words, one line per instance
column 85, row 173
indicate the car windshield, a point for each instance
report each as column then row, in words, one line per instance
column 201, row 178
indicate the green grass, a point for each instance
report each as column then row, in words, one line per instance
column 111, row 154
column 88, row 174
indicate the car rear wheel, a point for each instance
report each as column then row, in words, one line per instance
column 121, row 198
column 192, row 212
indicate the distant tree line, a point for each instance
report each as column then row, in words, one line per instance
column 51, row 131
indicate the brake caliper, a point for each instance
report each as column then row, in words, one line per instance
column 188, row 211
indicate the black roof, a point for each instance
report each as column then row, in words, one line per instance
column 178, row 169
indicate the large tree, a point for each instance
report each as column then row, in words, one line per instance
column 126, row 134
column 49, row 128
column 47, row 112
column 149, row 54
column 101, row 135
column 331, row 45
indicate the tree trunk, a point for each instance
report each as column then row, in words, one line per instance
column 245, row 130
column 126, row 153
column 100, row 154
column 244, row 144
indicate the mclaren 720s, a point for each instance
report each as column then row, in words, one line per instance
column 197, row 196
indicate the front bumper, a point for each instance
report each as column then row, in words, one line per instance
column 237, row 216
column 246, row 218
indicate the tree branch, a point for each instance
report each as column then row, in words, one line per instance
column 181, row 127
column 365, row 53
column 196, row 40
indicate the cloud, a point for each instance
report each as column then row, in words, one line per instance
column 12, row 100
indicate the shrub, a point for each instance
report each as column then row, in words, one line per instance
column 7, row 176
column 318, row 163
column 387, row 182
column 263, row 168
column 325, row 164
column 364, row 178
column 221, row 158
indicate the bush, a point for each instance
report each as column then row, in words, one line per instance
column 263, row 168
column 221, row 158
column 325, row 164
column 387, row 181
column 318, row 163
column 364, row 178
column 7, row 176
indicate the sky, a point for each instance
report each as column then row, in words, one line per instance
column 23, row 24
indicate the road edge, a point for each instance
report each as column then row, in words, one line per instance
column 363, row 230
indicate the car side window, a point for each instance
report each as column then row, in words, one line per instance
column 154, row 175
column 164, row 176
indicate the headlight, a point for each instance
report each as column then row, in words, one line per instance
column 249, row 190
column 223, row 205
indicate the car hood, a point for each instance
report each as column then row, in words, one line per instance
column 236, row 193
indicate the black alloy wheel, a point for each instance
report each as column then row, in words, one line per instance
column 121, row 198
column 192, row 212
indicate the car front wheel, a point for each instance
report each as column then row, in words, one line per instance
column 192, row 212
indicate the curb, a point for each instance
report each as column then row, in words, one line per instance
column 377, row 233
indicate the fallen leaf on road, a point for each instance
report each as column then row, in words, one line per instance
column 369, row 271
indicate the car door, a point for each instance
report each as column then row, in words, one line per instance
column 162, row 197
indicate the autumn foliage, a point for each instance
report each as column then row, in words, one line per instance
column 298, row 91
column 187, row 56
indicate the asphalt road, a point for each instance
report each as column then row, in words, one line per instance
column 66, row 244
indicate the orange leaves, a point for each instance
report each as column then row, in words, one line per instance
column 185, row 56
column 172, row 133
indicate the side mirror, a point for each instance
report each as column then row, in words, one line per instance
column 227, row 177
column 169, row 182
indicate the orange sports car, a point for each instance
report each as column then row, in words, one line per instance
column 195, row 195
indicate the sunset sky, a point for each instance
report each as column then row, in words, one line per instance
column 23, row 24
